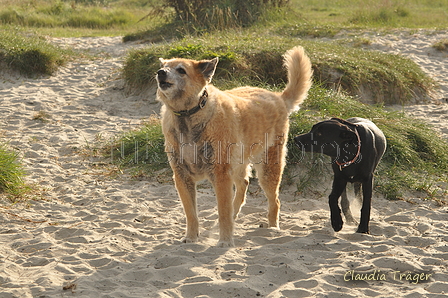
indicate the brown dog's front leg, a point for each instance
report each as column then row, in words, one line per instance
column 224, row 194
column 186, row 188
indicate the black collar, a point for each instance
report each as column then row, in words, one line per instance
column 202, row 102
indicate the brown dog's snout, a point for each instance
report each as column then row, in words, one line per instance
column 161, row 74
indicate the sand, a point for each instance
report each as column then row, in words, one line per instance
column 91, row 234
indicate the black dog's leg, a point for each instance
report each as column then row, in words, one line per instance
column 365, row 210
column 336, row 218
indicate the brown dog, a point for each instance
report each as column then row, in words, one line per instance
column 216, row 135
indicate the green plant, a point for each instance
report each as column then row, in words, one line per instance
column 382, row 13
column 41, row 116
column 141, row 65
column 143, row 149
column 256, row 60
column 60, row 14
column 30, row 54
column 221, row 13
column 441, row 45
column 11, row 172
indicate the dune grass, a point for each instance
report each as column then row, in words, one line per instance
column 30, row 54
column 66, row 14
column 441, row 45
column 382, row 14
column 11, row 173
column 247, row 58
column 319, row 18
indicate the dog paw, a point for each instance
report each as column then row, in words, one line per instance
column 274, row 227
column 362, row 230
column 225, row 243
column 336, row 223
column 189, row 240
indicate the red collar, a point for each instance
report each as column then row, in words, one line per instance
column 346, row 164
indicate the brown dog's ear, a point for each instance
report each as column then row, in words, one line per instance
column 208, row 68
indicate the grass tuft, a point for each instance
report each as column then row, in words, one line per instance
column 249, row 59
column 441, row 45
column 30, row 54
column 62, row 14
column 143, row 149
column 11, row 172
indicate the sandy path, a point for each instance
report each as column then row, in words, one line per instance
column 120, row 237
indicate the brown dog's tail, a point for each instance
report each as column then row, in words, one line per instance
column 299, row 77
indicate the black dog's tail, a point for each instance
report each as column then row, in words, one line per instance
column 299, row 77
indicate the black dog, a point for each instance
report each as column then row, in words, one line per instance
column 356, row 146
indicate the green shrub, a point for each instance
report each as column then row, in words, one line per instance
column 141, row 65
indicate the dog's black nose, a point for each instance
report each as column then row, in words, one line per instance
column 161, row 73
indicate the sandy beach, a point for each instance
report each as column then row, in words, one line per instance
column 91, row 234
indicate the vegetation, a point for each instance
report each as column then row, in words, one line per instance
column 216, row 14
column 66, row 14
column 441, row 45
column 254, row 60
column 142, row 149
column 11, row 172
column 307, row 18
column 29, row 54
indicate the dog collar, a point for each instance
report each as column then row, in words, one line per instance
column 200, row 106
column 346, row 164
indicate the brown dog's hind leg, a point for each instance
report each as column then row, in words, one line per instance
column 186, row 188
column 241, row 184
column 269, row 176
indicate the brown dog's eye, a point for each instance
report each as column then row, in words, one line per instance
column 181, row 71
